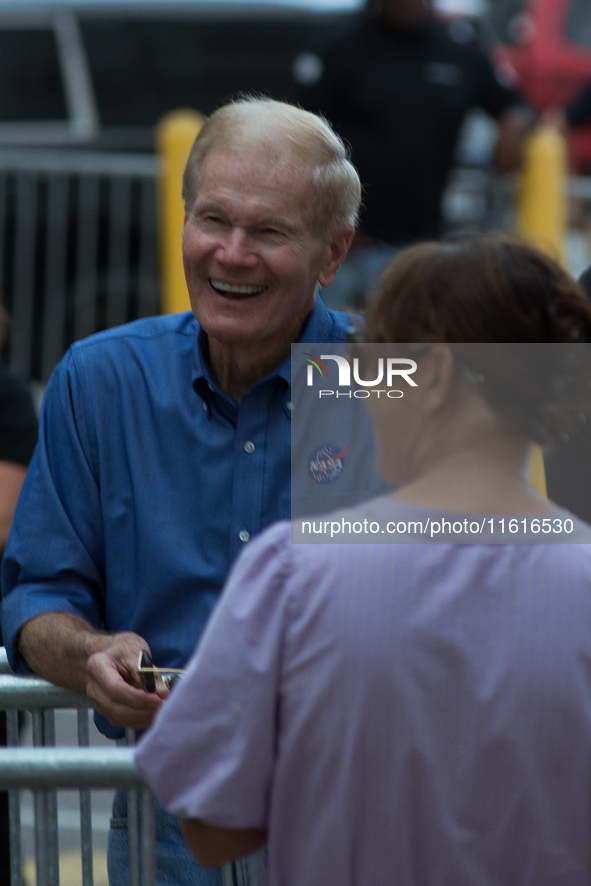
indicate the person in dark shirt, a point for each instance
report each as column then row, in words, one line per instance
column 585, row 281
column 397, row 85
column 578, row 112
column 18, row 437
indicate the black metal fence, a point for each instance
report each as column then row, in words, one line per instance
column 78, row 248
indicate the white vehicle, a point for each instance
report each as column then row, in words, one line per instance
column 100, row 73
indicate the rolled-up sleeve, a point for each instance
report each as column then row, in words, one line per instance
column 54, row 560
column 211, row 752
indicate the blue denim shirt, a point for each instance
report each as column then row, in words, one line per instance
column 147, row 482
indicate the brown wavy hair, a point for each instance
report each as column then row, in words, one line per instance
column 492, row 288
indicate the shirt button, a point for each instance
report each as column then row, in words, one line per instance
column 289, row 405
column 244, row 535
column 249, row 446
column 205, row 406
column 210, row 386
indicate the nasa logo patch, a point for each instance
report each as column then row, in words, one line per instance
column 326, row 463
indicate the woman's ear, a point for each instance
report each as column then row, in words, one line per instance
column 439, row 378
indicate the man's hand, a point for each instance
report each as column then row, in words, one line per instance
column 66, row 650
column 113, row 683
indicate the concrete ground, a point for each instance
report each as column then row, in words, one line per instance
column 71, row 870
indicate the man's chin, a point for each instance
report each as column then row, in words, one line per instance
column 234, row 333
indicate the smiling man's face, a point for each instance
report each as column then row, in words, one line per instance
column 251, row 262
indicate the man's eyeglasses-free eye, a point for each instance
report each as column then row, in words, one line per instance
column 148, row 674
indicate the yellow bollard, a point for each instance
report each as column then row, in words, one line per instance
column 175, row 135
column 541, row 201
column 537, row 474
column 541, row 218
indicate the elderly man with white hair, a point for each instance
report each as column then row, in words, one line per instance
column 165, row 443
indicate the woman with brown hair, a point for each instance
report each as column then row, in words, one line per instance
column 511, row 328
column 416, row 714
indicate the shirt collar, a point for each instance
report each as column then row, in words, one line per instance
column 201, row 369
column 320, row 326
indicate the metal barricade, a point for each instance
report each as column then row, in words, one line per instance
column 78, row 248
column 45, row 768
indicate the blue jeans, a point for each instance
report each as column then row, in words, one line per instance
column 175, row 864
column 357, row 276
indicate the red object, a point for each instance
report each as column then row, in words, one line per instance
column 547, row 65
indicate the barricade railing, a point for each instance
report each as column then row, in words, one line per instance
column 45, row 768
column 78, row 248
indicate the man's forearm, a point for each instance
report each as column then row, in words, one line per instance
column 65, row 649
column 57, row 645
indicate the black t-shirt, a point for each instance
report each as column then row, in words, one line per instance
column 585, row 281
column 18, row 424
column 18, row 421
column 399, row 98
column 579, row 111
